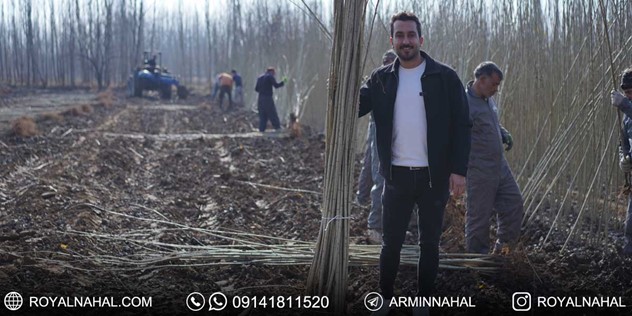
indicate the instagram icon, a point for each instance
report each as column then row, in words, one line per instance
column 521, row 301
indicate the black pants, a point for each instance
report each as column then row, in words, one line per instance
column 225, row 90
column 406, row 188
column 267, row 111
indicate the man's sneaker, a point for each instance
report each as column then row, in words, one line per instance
column 375, row 236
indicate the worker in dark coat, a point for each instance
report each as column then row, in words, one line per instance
column 265, row 102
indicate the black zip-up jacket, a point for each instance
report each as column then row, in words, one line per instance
column 265, row 83
column 447, row 117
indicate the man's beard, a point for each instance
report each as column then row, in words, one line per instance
column 407, row 56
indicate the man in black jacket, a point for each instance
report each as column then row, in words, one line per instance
column 423, row 141
column 265, row 102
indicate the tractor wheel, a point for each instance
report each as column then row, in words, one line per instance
column 138, row 87
column 183, row 93
column 165, row 92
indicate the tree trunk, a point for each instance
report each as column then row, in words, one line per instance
column 30, row 47
column 107, row 43
column 209, row 41
column 139, row 29
column 72, row 45
column 4, row 65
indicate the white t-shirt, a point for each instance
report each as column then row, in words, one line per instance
column 410, row 143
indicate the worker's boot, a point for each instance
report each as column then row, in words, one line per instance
column 501, row 248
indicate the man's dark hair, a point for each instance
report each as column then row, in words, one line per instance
column 626, row 79
column 406, row 16
column 487, row 68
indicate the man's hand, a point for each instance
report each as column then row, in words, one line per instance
column 616, row 98
column 457, row 184
column 508, row 140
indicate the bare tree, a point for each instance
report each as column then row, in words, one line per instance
column 95, row 46
column 32, row 69
column 182, row 40
column 107, row 43
column 123, row 43
column 4, row 45
column 139, row 21
column 71, row 44
column 235, row 29
column 210, row 31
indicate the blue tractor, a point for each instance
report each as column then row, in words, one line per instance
column 153, row 77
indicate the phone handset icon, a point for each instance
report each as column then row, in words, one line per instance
column 217, row 301
column 195, row 301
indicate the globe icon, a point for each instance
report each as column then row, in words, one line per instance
column 13, row 301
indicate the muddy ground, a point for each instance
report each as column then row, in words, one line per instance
column 124, row 197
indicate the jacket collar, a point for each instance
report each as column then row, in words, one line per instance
column 471, row 92
column 431, row 65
